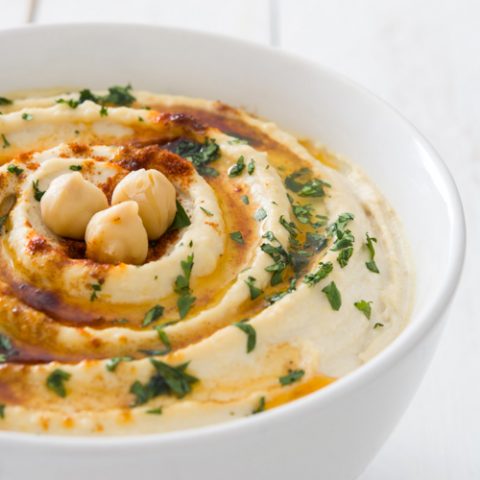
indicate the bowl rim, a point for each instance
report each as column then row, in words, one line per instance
column 406, row 341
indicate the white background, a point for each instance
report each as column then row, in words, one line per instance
column 422, row 56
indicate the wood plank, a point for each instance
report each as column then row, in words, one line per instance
column 247, row 19
column 13, row 12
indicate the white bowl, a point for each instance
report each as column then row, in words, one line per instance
column 330, row 434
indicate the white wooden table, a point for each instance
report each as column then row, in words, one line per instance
column 423, row 57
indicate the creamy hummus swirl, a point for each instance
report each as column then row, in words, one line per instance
column 283, row 270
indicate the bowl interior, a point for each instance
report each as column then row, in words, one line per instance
column 299, row 96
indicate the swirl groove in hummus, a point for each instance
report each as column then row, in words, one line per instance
column 283, row 269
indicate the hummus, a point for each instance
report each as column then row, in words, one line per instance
column 283, row 270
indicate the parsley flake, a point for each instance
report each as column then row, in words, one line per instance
column 181, row 218
column 182, row 287
column 365, row 307
column 167, row 380
column 37, row 193
column 2, row 406
column 7, row 350
column 208, row 213
column 343, row 238
column 103, row 111
column 283, row 293
column 75, row 168
column 6, row 143
column 245, row 199
column 322, row 271
column 27, row 117
column 55, row 382
column 163, row 337
column 260, row 407
column 306, row 187
column 96, row 288
column 5, row 101
column 152, row 315
column 333, row 295
column 292, row 377
column 255, row 292
column 155, row 411
column 14, row 169
column 200, row 154
column 112, row 363
column 251, row 166
column 250, row 332
column 371, row 265
column 260, row 214
column 238, row 168
column 237, row 237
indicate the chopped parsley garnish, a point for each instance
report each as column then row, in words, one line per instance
column 342, row 238
column 315, row 242
column 163, row 337
column 141, row 119
column 303, row 185
column 238, row 168
column 322, row 271
column 251, row 166
column 290, row 227
column 206, row 212
column 75, row 168
column 14, row 169
column 200, row 154
column 344, row 256
column 5, row 101
column 333, row 295
column 250, row 332
column 371, row 265
column 237, row 237
column 27, row 116
column 279, row 295
column 378, row 325
column 255, row 292
column 112, row 363
column 2, row 406
column 260, row 214
column 182, row 287
column 6, row 348
column 152, row 315
column 96, row 288
column 56, row 382
column 6, row 143
column 291, row 377
column 181, row 218
column 305, row 214
column 118, row 95
column 365, row 307
column 155, row 411
column 37, row 193
column 260, row 407
column 103, row 111
column 3, row 219
column 70, row 102
column 279, row 256
column 300, row 260
column 167, row 380
column 87, row 94
column 245, row 199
